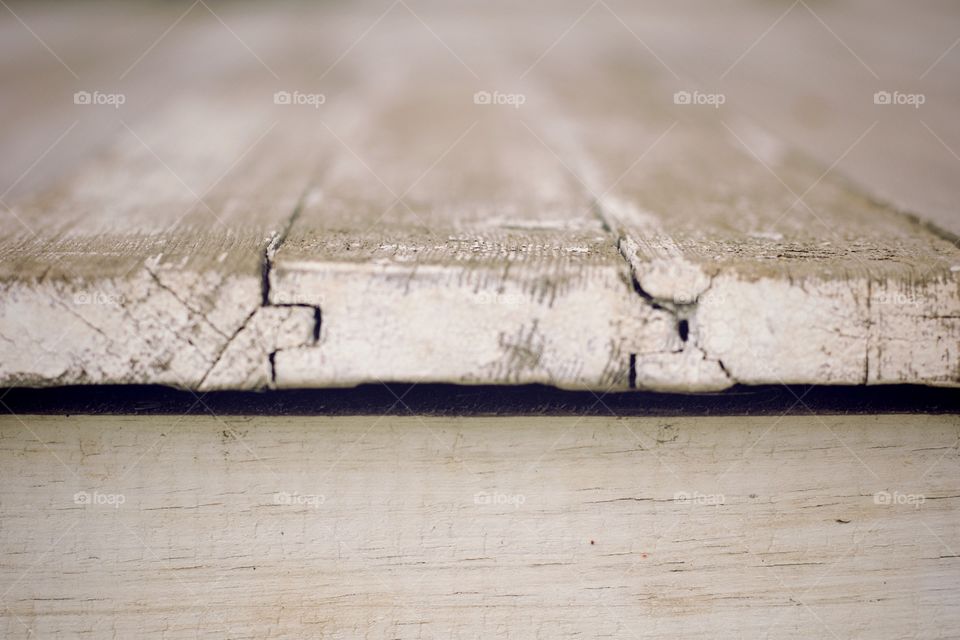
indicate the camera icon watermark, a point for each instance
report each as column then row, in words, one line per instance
column 515, row 100
column 99, row 297
column 897, row 299
column 914, row 100
column 697, row 498
column 314, row 500
column 298, row 98
column 516, row 500
column 98, row 499
column 886, row 498
column 699, row 98
column 114, row 100
column 506, row 299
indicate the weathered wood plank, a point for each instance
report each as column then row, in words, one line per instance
column 151, row 54
column 144, row 265
column 581, row 231
column 463, row 528
column 802, row 278
column 447, row 244
column 809, row 71
column 778, row 269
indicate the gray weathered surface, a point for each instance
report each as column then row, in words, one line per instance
column 809, row 71
column 782, row 270
column 598, row 235
column 485, row 527
column 135, row 274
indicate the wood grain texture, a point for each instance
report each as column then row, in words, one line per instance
column 111, row 47
column 471, row 202
column 445, row 243
column 147, row 263
column 136, row 274
column 405, row 527
column 782, row 270
column 809, row 71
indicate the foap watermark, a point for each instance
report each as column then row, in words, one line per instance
column 97, row 98
column 299, row 98
column 896, row 498
column 503, row 499
column 506, row 299
column 699, row 98
column 299, row 499
column 514, row 100
column 697, row 498
column 897, row 98
column 97, row 499
column 99, row 297
column 895, row 298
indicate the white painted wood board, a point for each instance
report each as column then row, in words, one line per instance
column 408, row 527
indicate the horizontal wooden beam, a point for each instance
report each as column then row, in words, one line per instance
column 410, row 527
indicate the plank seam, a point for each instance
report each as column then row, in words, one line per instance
column 277, row 239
